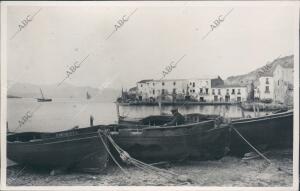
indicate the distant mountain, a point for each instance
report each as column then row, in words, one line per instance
column 246, row 79
column 12, row 96
column 26, row 90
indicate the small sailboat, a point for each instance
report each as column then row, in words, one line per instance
column 43, row 99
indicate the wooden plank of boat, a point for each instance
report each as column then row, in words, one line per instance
column 171, row 143
column 274, row 130
column 78, row 148
column 162, row 119
column 209, row 144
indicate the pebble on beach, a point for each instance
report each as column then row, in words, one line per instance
column 228, row 171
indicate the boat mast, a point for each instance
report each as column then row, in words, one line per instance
column 42, row 93
column 118, row 110
column 159, row 105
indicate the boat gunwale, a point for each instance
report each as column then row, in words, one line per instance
column 263, row 118
column 176, row 126
column 225, row 127
column 59, row 139
column 47, row 142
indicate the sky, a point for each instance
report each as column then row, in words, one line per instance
column 151, row 38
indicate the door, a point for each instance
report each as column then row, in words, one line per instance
column 227, row 98
column 215, row 98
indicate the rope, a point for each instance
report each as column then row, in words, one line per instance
column 141, row 165
column 252, row 146
column 13, row 179
column 107, row 149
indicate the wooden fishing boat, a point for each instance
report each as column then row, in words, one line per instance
column 274, row 130
column 77, row 148
column 155, row 120
column 159, row 143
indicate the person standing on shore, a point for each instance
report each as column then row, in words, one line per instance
column 91, row 120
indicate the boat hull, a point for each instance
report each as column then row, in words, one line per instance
column 197, row 140
column 154, row 146
column 43, row 100
column 274, row 130
column 61, row 150
column 209, row 144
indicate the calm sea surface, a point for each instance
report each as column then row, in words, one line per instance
column 62, row 114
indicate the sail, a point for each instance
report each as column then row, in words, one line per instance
column 42, row 93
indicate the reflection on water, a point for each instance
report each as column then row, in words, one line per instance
column 141, row 111
column 62, row 114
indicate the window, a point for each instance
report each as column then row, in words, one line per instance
column 153, row 84
column 206, row 90
column 153, row 92
column 174, row 83
column 213, row 91
column 163, row 83
column 193, row 84
column 219, row 91
column 201, row 90
column 267, row 89
column 194, row 91
column 267, row 80
column 191, row 91
column 239, row 91
column 233, row 91
column 147, row 84
column 278, row 82
column 174, row 91
column 190, row 83
column 227, row 91
column 182, row 90
column 163, row 91
column 141, row 85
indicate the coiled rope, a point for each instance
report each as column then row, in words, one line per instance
column 170, row 176
column 110, row 154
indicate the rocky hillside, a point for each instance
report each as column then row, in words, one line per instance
column 246, row 79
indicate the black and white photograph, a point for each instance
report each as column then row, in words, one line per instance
column 150, row 94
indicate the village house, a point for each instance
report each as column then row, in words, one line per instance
column 229, row 93
column 200, row 90
column 276, row 86
column 167, row 89
column 283, row 83
column 265, row 89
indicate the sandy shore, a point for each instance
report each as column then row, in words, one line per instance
column 228, row 171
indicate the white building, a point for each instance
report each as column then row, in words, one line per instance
column 199, row 89
column 277, row 85
column 266, row 87
column 151, row 90
column 202, row 90
column 229, row 93
column 283, row 83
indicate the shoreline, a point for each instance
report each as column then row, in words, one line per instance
column 228, row 171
